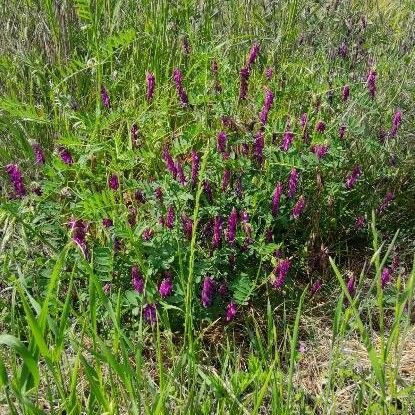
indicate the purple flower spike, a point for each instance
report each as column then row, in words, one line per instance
column 107, row 222
column 137, row 279
column 316, row 287
column 342, row 131
column 158, row 192
column 304, row 120
column 140, row 196
column 181, row 178
column 151, row 84
column 353, row 177
column 195, row 167
column 105, row 98
column 299, row 207
column 343, row 49
column 169, row 162
column 166, row 287
column 371, row 82
column 387, row 200
column 276, row 199
column 16, row 178
column 79, row 229
column 217, row 232
column 221, row 142
column 226, row 178
column 65, row 155
column 169, row 222
column 268, row 100
column 147, row 234
column 253, row 54
column 360, row 222
column 287, row 140
column 345, row 93
column 258, row 147
column 351, row 285
column 113, row 182
column 207, row 188
column 293, row 183
column 244, row 74
column 150, row 313
column 231, row 311
column 38, row 152
column 268, row 73
column 320, row 127
column 232, row 223
column 208, row 291
column 320, row 150
column 385, row 277
column 187, row 224
column 178, row 80
column 396, row 122
column 280, row 272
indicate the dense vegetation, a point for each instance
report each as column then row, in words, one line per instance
column 206, row 206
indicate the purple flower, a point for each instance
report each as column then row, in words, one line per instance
column 315, row 287
column 299, row 207
column 106, row 288
column 343, row 49
column 134, row 134
column 238, row 186
column 15, row 176
column 139, row 196
column 287, row 140
column 353, row 177
column 208, row 291
column 303, row 120
column 244, row 74
column 292, row 183
column 258, row 147
column 253, row 54
column 385, row 277
column 232, row 223
column 187, row 224
column 280, row 272
column 231, row 311
column 320, row 127
column 207, row 188
column 151, row 84
column 342, row 131
column 178, row 80
column 223, row 289
column 371, row 82
column 345, row 92
column 113, row 182
column 149, row 313
column 387, row 200
column 276, row 198
column 351, row 285
column 132, row 216
column 221, row 142
column 38, row 152
column 147, row 234
column 105, row 98
column 217, row 232
column 137, row 279
column 107, row 222
column 396, row 121
column 195, row 167
column 180, row 173
column 360, row 222
column 214, row 67
column 166, row 287
column 226, row 178
column 169, row 222
column 269, row 235
column 169, row 162
column 268, row 100
column 395, row 262
column 65, row 155
column 158, row 192
column 79, row 229
column 268, row 73
column 320, row 150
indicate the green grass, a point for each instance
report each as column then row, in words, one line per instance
column 68, row 347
